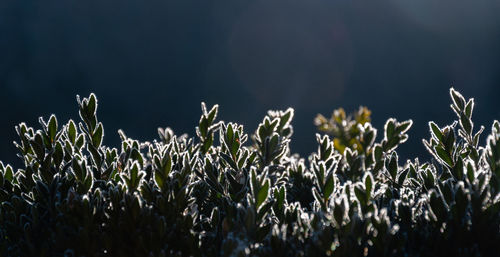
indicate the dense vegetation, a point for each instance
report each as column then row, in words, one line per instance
column 218, row 195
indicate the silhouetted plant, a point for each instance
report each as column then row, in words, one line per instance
column 217, row 195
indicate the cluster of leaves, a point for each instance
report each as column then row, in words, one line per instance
column 217, row 195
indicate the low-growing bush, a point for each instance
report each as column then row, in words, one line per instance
column 225, row 193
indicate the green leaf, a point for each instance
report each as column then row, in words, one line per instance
column 9, row 173
column 329, row 185
column 390, row 127
column 360, row 195
column 466, row 123
column 80, row 142
column 88, row 182
column 477, row 135
column 404, row 126
column 430, row 180
column 436, row 131
column 242, row 158
column 37, row 145
column 368, row 183
column 470, row 172
column 98, row 136
column 71, row 131
column 203, row 127
column 443, row 155
column 318, row 198
column 58, row 154
column 92, row 105
column 212, row 114
column 159, row 179
column 253, row 182
column 263, row 210
column 77, row 170
column 203, row 108
column 229, row 160
column 262, row 194
column 458, row 170
column 392, row 166
column 52, row 128
column 457, row 98
column 167, row 166
column 96, row 155
column 469, row 107
column 378, row 152
column 449, row 139
column 287, row 117
column 402, row 176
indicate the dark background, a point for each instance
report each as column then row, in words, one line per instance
column 152, row 62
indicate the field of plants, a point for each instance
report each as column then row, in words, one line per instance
column 224, row 192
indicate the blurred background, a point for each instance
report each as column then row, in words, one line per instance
column 152, row 62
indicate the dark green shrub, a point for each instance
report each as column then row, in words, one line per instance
column 217, row 194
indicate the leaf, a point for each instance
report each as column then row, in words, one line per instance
column 318, row 198
column 262, row 194
column 77, row 170
column 470, row 172
column 392, row 166
column 229, row 160
column 9, row 173
column 329, row 185
column 360, row 195
column 96, row 155
column 444, row 156
column 449, row 139
column 466, row 123
column 402, row 176
column 80, row 142
column 281, row 197
column 71, row 131
column 287, row 117
column 477, row 135
column 203, row 127
column 52, row 128
column 159, row 180
column 264, row 209
column 253, row 183
column 274, row 143
column 368, row 183
column 203, row 108
column 88, row 182
column 92, row 105
column 242, row 158
column 430, row 180
column 37, row 145
column 58, row 154
column 457, row 98
column 98, row 136
column 458, row 170
column 167, row 165
column 469, row 107
column 404, row 126
column 212, row 114
column 436, row 131
column 390, row 127
column 378, row 152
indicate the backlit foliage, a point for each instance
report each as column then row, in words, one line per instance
column 227, row 193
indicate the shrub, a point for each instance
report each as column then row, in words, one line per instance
column 217, row 195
